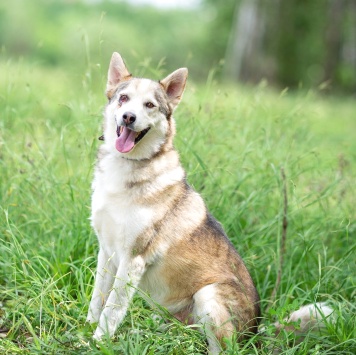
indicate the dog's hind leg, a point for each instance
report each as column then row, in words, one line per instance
column 104, row 280
column 213, row 316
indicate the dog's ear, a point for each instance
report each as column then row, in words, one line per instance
column 117, row 72
column 174, row 85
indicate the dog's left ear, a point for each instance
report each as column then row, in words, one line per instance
column 174, row 85
column 117, row 72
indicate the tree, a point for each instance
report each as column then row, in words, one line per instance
column 291, row 42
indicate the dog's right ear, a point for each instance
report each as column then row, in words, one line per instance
column 117, row 72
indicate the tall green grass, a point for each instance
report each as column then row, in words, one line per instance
column 233, row 143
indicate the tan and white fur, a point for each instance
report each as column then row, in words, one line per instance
column 154, row 231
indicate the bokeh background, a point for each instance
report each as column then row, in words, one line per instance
column 294, row 43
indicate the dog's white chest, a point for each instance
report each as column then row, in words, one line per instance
column 117, row 220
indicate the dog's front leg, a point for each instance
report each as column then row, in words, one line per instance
column 127, row 279
column 104, row 280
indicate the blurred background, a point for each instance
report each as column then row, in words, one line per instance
column 294, row 43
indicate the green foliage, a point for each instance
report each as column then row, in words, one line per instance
column 219, row 14
column 291, row 43
column 73, row 32
column 233, row 143
column 300, row 46
column 295, row 49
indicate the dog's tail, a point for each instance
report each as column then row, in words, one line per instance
column 307, row 318
column 311, row 316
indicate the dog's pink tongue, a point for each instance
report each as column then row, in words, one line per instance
column 126, row 141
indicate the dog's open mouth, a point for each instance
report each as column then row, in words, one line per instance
column 127, row 138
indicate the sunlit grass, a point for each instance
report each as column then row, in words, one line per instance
column 233, row 143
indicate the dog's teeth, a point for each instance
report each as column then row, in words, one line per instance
column 121, row 129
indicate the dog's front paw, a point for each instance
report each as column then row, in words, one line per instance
column 98, row 334
column 106, row 327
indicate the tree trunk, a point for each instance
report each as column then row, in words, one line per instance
column 245, row 41
column 334, row 38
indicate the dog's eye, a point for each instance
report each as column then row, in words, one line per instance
column 123, row 98
column 150, row 105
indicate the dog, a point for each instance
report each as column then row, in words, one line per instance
column 155, row 233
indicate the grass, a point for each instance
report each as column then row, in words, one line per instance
column 233, row 143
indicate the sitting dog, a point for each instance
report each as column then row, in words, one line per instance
column 155, row 232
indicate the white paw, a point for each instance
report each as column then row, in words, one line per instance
column 98, row 334
column 106, row 327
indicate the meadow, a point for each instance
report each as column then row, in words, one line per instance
column 234, row 142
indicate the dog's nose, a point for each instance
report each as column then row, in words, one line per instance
column 128, row 118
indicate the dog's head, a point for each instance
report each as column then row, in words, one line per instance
column 138, row 117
